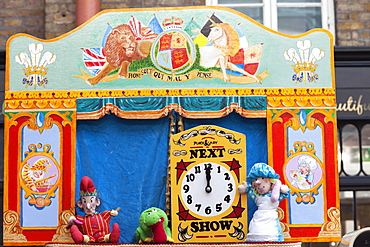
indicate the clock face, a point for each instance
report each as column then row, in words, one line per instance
column 208, row 189
column 207, row 163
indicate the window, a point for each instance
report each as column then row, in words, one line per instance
column 354, row 171
column 286, row 16
column 354, row 149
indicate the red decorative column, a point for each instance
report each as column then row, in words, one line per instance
column 85, row 9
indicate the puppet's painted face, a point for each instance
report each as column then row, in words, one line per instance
column 304, row 169
column 37, row 174
column 262, row 185
column 88, row 204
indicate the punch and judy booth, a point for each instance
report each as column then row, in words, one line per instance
column 142, row 100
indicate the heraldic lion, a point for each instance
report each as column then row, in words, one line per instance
column 122, row 47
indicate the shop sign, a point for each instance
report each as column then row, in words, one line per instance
column 353, row 103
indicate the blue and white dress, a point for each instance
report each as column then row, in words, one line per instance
column 265, row 225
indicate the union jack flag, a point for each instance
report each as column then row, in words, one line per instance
column 139, row 30
column 94, row 59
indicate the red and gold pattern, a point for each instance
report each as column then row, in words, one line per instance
column 94, row 224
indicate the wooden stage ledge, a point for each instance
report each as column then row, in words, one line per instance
column 262, row 244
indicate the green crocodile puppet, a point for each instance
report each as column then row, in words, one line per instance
column 153, row 227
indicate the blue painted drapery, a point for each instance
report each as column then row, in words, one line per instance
column 156, row 107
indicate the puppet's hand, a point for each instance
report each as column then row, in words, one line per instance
column 277, row 184
column 243, row 187
column 275, row 193
column 77, row 222
column 284, row 188
column 114, row 212
column 73, row 221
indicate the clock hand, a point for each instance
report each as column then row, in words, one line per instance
column 208, row 168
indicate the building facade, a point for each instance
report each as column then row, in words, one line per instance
column 48, row 19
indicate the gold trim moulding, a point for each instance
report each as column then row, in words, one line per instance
column 260, row 244
column 302, row 92
column 325, row 101
column 44, row 104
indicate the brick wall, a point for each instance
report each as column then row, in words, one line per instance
column 120, row 4
column 51, row 18
column 59, row 17
column 21, row 16
column 353, row 22
column 60, row 14
column 48, row 19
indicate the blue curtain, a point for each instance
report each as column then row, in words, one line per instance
column 128, row 159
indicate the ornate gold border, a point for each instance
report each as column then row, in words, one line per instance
column 331, row 228
column 12, row 229
column 273, row 92
column 301, row 101
column 63, row 234
column 276, row 98
column 45, row 104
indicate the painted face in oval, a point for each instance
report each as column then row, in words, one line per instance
column 304, row 169
column 89, row 204
column 262, row 185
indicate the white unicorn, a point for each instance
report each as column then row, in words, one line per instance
column 226, row 44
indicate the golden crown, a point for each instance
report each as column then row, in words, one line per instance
column 35, row 70
column 88, row 193
column 172, row 22
column 298, row 67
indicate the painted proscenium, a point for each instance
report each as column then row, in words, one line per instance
column 186, row 63
column 173, row 49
